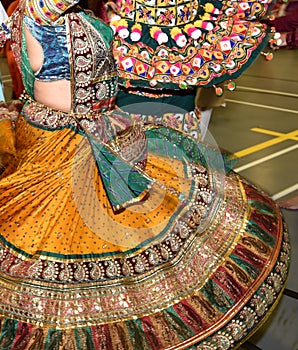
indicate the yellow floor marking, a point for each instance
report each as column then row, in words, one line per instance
column 273, row 133
column 266, row 144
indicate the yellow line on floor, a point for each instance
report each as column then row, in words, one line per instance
column 273, row 133
column 265, row 144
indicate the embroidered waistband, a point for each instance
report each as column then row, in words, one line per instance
column 52, row 119
column 188, row 123
column 49, row 118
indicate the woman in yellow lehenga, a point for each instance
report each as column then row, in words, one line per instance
column 117, row 232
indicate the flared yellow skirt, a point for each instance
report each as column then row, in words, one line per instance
column 160, row 274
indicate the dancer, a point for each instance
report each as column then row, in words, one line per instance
column 165, row 50
column 118, row 232
column 290, row 203
column 286, row 25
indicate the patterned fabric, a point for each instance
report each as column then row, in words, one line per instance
column 8, row 115
column 147, row 279
column 53, row 42
column 114, row 155
column 184, row 122
column 196, row 259
column 182, row 44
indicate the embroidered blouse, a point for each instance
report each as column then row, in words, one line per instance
column 54, row 45
column 76, row 47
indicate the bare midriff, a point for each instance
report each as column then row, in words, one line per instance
column 54, row 94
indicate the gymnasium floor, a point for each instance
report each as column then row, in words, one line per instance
column 260, row 125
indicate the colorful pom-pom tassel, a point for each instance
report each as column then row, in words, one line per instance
column 210, row 8
column 178, row 36
column 192, row 31
column 183, row 85
column 136, row 32
column 122, row 29
column 204, row 25
column 157, row 34
column 114, row 22
column 268, row 55
column 218, row 90
column 153, row 82
column 127, row 83
column 231, row 85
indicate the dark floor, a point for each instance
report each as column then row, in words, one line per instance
column 260, row 125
